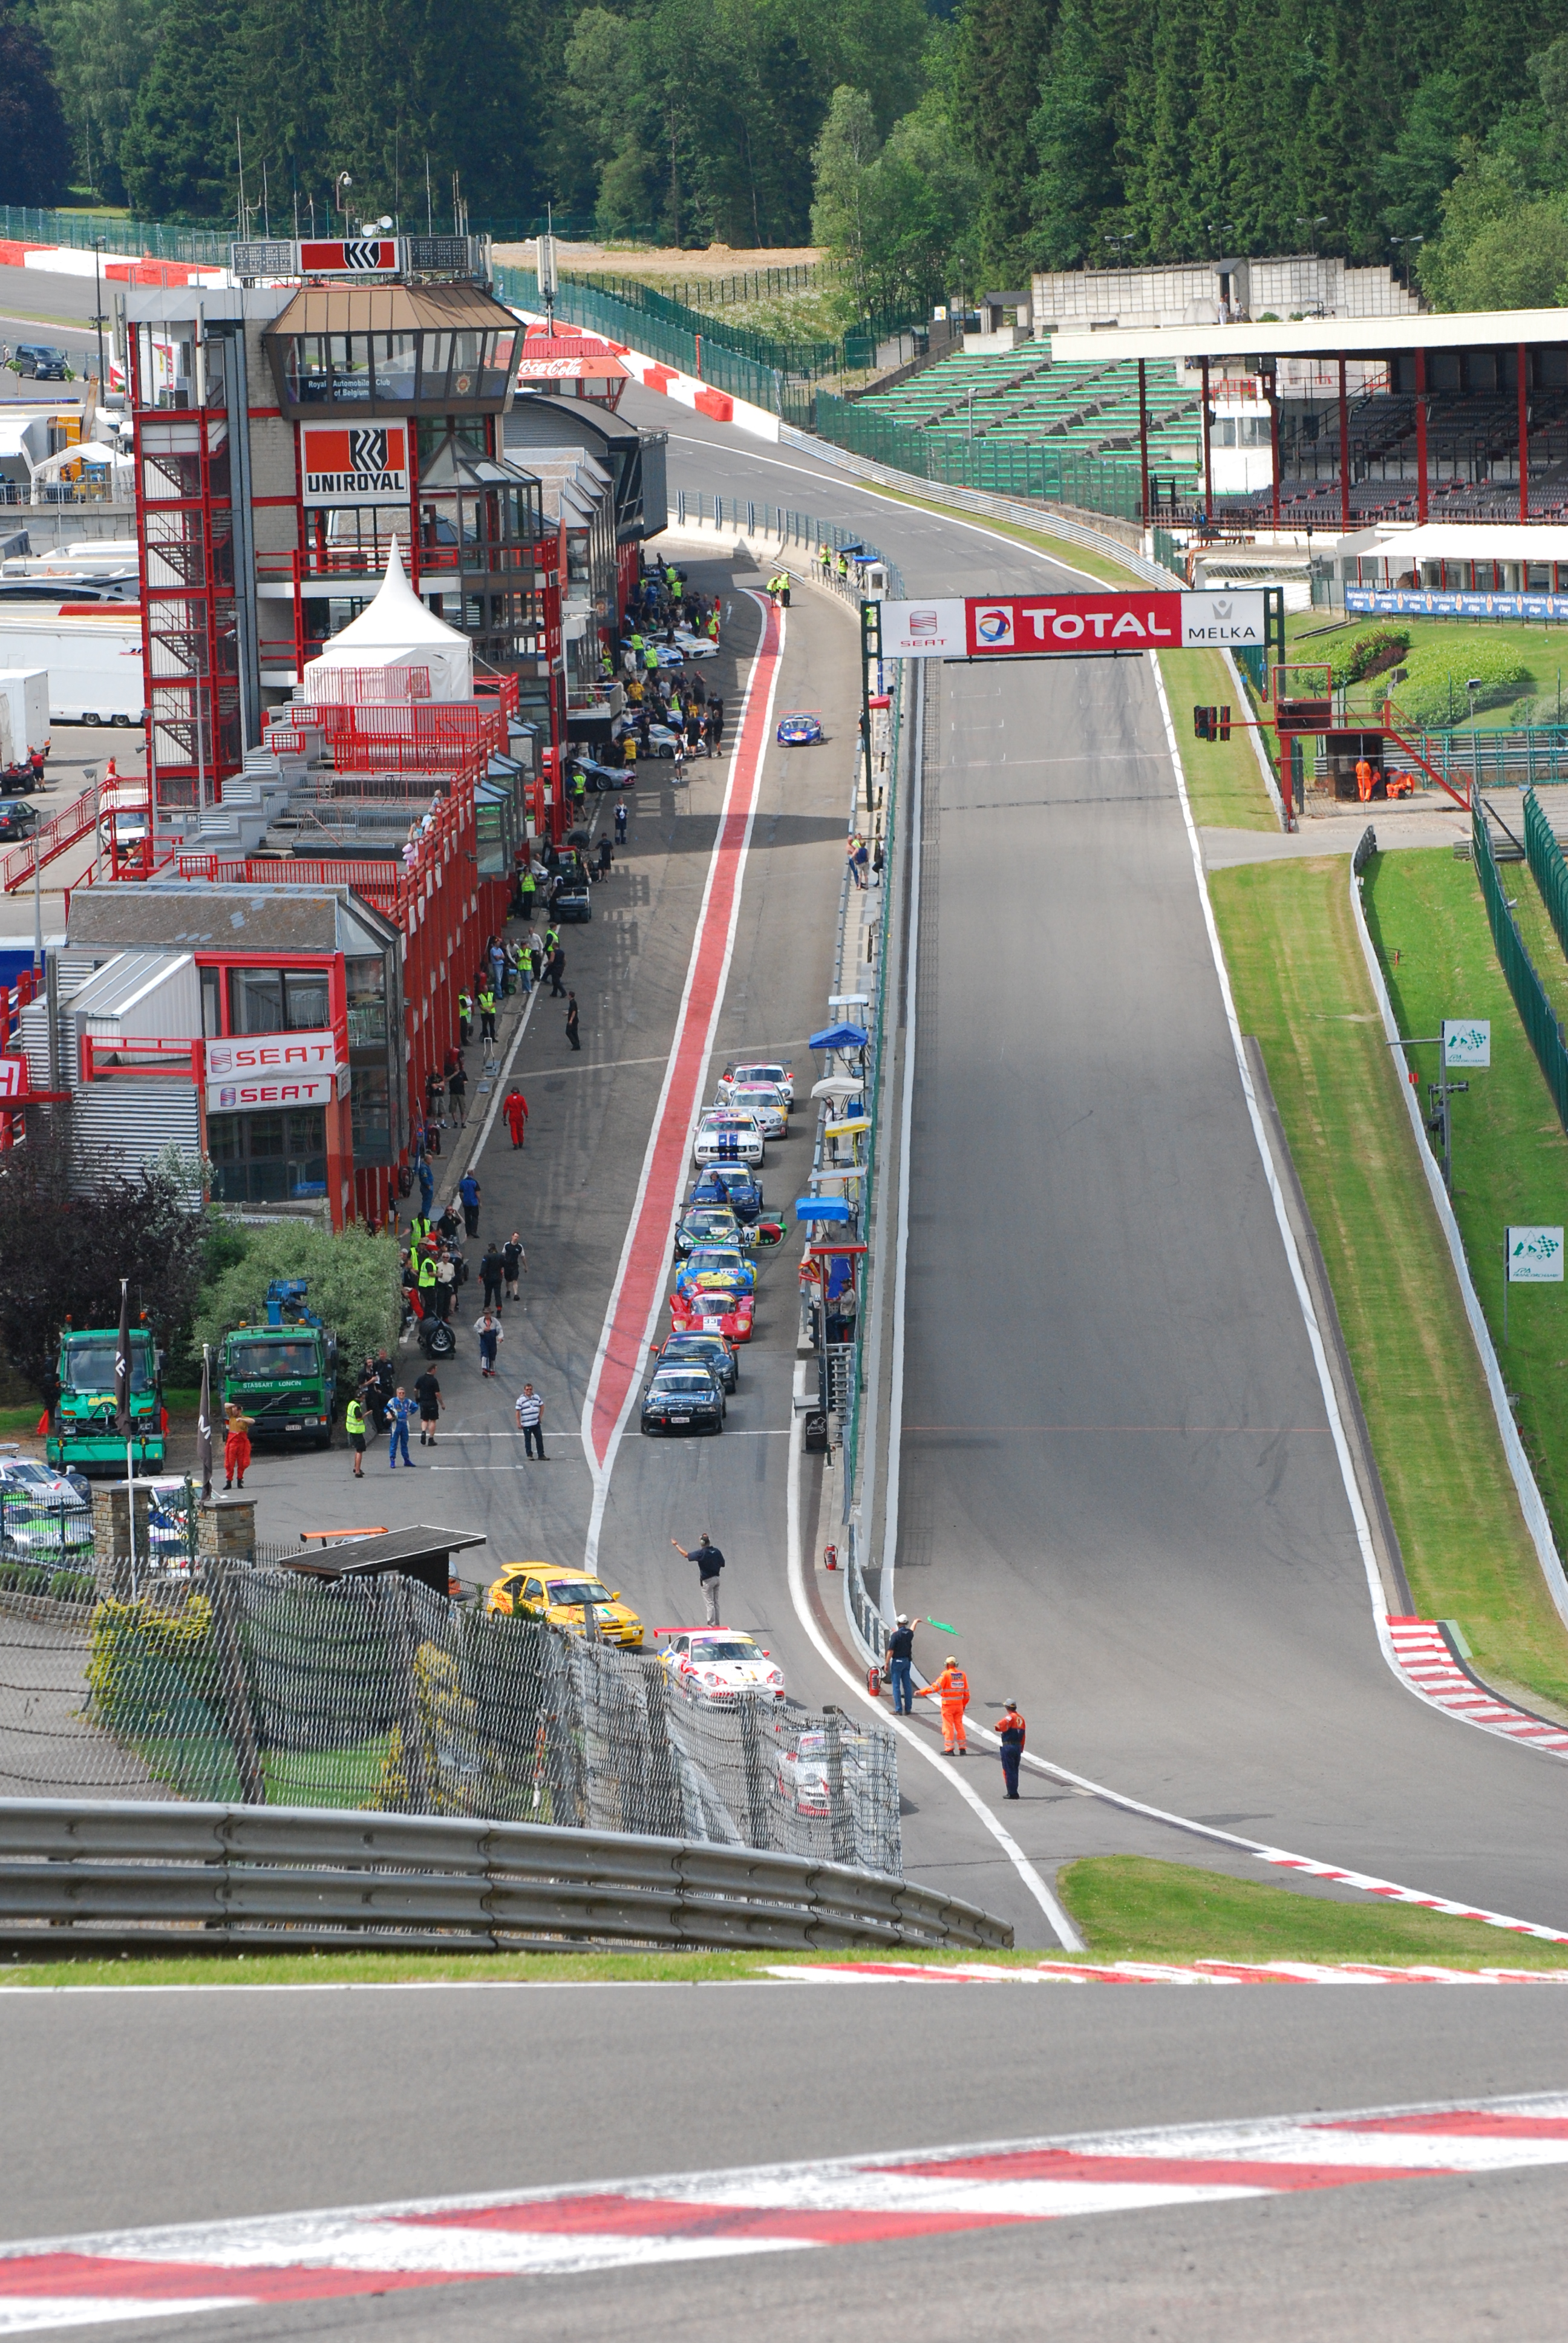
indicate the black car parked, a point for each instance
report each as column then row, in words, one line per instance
column 17, row 820
column 43, row 361
column 682, row 1398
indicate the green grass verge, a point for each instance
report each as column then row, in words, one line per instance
column 1302, row 987
column 1129, row 1907
column 1541, row 647
column 1222, row 778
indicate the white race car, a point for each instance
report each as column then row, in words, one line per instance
column 720, row 1664
column 758, row 1070
column 725, row 1135
column 694, row 646
column 766, row 1100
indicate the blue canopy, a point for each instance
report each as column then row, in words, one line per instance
column 822, row 1208
column 839, row 1037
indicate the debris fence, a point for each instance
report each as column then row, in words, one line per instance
column 245, row 1685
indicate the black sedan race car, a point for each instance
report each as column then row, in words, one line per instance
column 709, row 1351
column 682, row 1398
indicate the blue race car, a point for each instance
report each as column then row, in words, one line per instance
column 715, row 1264
column 800, row 731
column 731, row 1184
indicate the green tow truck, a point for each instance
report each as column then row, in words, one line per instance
column 82, row 1435
column 283, row 1375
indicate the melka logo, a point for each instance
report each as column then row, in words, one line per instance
column 357, row 464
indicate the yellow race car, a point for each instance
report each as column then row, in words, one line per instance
column 563, row 1598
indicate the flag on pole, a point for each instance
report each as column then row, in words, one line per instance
column 203, row 1424
column 123, row 1366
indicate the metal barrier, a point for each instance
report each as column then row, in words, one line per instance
column 1530, row 996
column 197, row 1877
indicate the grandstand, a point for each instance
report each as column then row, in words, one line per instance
column 1022, row 397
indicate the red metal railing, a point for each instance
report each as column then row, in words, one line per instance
column 106, row 1053
column 72, row 822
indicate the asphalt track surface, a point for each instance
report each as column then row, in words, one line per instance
column 1116, row 1480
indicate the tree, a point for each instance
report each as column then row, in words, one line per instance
column 355, row 1287
column 63, row 1255
column 1517, row 261
column 841, row 163
column 35, row 143
column 1078, row 183
column 101, row 50
column 1003, row 46
column 176, row 153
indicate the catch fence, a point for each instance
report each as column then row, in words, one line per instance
column 1547, row 867
column 247, row 1686
column 1530, row 995
column 201, row 248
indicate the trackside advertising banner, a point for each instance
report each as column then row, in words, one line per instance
column 1048, row 626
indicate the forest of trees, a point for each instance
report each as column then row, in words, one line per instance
column 932, row 148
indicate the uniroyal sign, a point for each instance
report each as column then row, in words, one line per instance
column 1046, row 625
column 354, row 463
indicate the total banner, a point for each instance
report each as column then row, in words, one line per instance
column 1059, row 626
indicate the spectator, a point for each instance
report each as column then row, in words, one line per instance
column 428, row 1391
column 489, row 1330
column 468, row 1192
column 620, row 823
column 531, row 1422
column 572, row 1020
column 457, row 1090
column 490, row 1270
column 557, row 969
column 514, row 1261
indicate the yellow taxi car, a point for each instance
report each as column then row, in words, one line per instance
column 563, row 1598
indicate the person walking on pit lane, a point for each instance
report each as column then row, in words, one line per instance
column 531, row 1422
column 572, row 1020
column 900, row 1660
column 620, row 825
column 468, row 1195
column 557, row 969
column 490, row 1270
column 515, row 1110
column 710, row 1563
column 514, row 1261
column 1011, row 1732
column 397, row 1415
column 465, row 1016
column 489, row 1329
column 354, row 1425
column 951, row 1688
column 428, row 1391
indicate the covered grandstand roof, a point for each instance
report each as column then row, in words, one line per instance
column 1472, row 541
column 1323, row 337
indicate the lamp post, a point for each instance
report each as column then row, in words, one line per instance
column 1311, row 225
column 98, row 311
column 343, row 185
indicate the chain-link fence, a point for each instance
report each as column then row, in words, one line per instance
column 1011, row 468
column 247, row 1686
column 1530, row 995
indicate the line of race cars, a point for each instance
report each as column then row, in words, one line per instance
column 713, row 1664
column 723, row 1226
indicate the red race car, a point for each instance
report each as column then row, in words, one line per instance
column 713, row 1310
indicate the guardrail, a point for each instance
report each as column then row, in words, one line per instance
column 77, row 1877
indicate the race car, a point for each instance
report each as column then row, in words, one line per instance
column 724, row 1310
column 803, row 1778
column 801, row 730
column 758, row 1070
column 731, row 1184
column 705, row 1224
column 763, row 1100
column 563, row 1598
column 710, row 1351
column 693, row 646
column 720, row 1664
column 602, row 777
column 683, row 1396
column 716, row 1264
column 727, row 1136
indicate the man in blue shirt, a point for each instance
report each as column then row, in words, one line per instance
column 399, row 1410
column 468, row 1192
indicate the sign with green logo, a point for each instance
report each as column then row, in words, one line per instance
column 1535, row 1256
column 1467, row 1042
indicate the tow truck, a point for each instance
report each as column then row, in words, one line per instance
column 82, row 1435
column 284, row 1374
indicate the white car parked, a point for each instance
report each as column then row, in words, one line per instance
column 721, row 1664
column 727, row 1136
column 766, row 1100
column 759, row 1070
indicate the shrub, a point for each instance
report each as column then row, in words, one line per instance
column 354, row 1282
column 140, row 1655
column 1432, row 695
column 1372, row 653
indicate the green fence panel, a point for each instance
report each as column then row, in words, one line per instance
column 1536, row 1012
column 998, row 467
column 1547, row 866
column 121, row 238
column 586, row 305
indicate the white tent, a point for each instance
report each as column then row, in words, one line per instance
column 399, row 631
column 121, row 466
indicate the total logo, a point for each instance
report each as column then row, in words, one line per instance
column 993, row 626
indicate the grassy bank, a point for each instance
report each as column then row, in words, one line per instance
column 1222, row 778
column 1061, row 548
column 1302, row 987
column 1130, row 1908
column 1540, row 647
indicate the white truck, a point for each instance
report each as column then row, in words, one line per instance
column 24, row 713
column 93, row 657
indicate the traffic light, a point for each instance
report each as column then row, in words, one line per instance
column 1224, row 725
column 1205, row 721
